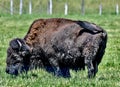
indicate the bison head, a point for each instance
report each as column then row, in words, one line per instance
column 18, row 57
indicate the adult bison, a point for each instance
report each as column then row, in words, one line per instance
column 57, row 45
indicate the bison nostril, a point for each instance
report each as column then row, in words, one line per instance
column 12, row 71
column 16, row 72
column 7, row 70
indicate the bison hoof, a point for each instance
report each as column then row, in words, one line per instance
column 91, row 74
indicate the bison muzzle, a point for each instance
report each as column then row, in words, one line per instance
column 58, row 45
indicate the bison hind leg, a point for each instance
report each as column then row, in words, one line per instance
column 90, row 56
column 90, row 67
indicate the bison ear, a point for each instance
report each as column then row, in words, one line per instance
column 16, row 44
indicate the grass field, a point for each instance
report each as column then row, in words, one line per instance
column 109, row 69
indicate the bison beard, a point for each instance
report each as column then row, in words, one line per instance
column 58, row 45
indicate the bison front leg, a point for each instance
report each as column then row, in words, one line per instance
column 55, row 65
column 65, row 72
column 58, row 70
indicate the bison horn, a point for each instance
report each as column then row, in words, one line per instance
column 20, row 44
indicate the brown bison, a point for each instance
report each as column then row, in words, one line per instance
column 58, row 45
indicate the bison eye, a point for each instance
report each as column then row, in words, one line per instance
column 15, row 56
column 18, row 60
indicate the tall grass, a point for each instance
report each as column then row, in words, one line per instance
column 109, row 69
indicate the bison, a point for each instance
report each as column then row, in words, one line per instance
column 57, row 45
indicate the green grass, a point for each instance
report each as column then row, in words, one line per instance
column 109, row 69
